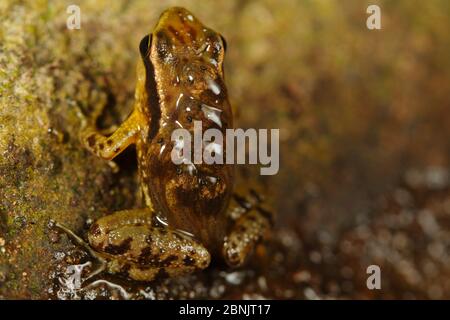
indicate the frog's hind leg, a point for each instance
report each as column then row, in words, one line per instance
column 143, row 251
column 251, row 221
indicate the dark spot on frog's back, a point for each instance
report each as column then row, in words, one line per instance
column 119, row 249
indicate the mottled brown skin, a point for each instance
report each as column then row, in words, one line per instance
column 179, row 80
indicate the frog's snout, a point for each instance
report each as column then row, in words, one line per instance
column 181, row 27
column 175, row 13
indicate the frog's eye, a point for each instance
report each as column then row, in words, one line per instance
column 145, row 45
column 224, row 43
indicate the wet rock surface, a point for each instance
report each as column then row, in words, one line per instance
column 364, row 129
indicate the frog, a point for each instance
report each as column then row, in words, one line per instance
column 192, row 211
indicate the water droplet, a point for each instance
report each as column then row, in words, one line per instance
column 212, row 114
column 179, row 143
column 213, row 86
column 178, row 100
column 191, row 167
column 213, row 62
column 178, row 124
column 214, row 148
column 213, row 180
column 162, row 149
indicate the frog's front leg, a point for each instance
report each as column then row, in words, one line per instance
column 129, row 244
column 109, row 147
column 251, row 221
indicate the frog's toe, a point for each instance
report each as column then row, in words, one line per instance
column 235, row 253
column 199, row 258
column 248, row 230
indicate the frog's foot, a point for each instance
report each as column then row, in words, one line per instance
column 108, row 147
column 249, row 227
column 83, row 244
column 142, row 251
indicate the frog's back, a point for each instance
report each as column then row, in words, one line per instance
column 186, row 60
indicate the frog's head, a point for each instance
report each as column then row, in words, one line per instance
column 183, row 51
